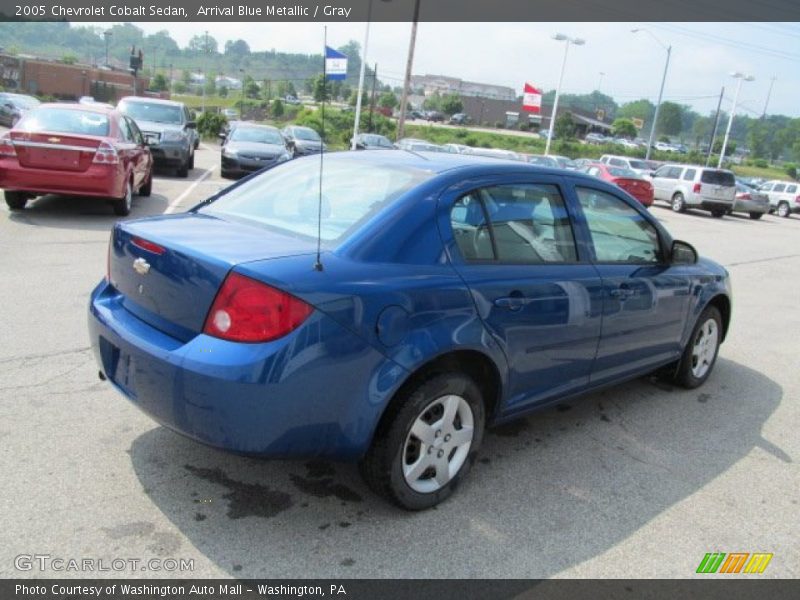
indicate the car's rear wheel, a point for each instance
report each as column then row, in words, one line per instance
column 191, row 161
column 16, row 200
column 122, row 206
column 147, row 186
column 183, row 170
column 678, row 203
column 783, row 210
column 756, row 216
column 717, row 214
column 700, row 354
column 426, row 442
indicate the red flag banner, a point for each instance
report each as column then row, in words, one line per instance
column 532, row 99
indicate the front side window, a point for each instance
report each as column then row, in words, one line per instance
column 689, row 175
column 522, row 223
column 665, row 173
column 620, row 233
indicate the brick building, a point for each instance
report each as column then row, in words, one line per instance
column 30, row 75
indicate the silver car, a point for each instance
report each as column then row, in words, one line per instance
column 750, row 201
column 784, row 197
column 688, row 186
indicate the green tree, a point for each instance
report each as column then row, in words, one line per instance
column 69, row 59
column 223, row 91
column 210, row 83
column 623, row 128
column 322, row 89
column 354, row 97
column 387, row 100
column 285, row 88
column 203, row 44
column 638, row 109
column 277, row 108
column 758, row 139
column 670, row 118
column 179, row 87
column 452, row 104
column 564, row 128
column 237, row 49
column 432, row 102
column 158, row 83
column 701, row 129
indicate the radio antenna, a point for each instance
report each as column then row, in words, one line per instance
column 318, row 263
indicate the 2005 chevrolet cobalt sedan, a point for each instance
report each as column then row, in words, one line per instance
column 451, row 293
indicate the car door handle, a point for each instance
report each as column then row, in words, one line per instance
column 621, row 293
column 513, row 303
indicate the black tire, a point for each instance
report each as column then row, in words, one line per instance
column 147, row 186
column 684, row 374
column 382, row 467
column 756, row 216
column 225, row 174
column 183, row 170
column 16, row 200
column 191, row 162
column 784, row 210
column 122, row 206
column 717, row 214
column 678, row 203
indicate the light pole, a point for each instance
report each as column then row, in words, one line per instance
column 205, row 73
column 660, row 91
column 600, row 83
column 401, row 122
column 559, row 37
column 241, row 104
column 741, row 77
column 361, row 76
column 107, row 34
column 769, row 93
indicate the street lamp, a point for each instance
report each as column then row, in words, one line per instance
column 241, row 103
column 107, row 34
column 560, row 37
column 741, row 77
column 660, row 91
column 600, row 83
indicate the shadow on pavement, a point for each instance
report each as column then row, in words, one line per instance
column 547, row 492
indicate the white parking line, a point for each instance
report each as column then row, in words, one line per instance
column 173, row 207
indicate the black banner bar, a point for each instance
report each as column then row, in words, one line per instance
column 403, row 10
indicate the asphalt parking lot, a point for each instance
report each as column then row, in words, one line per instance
column 637, row 481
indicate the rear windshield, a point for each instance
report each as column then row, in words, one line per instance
column 64, row 120
column 620, row 172
column 286, row 198
column 306, row 134
column 725, row 178
column 158, row 113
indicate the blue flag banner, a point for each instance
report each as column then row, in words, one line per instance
column 335, row 64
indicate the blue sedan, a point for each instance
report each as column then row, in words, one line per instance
column 449, row 293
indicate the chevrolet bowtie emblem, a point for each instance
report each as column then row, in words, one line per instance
column 141, row 266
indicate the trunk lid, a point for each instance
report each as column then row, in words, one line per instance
column 171, row 286
column 55, row 151
column 634, row 186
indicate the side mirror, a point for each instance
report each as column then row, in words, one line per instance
column 652, row 173
column 191, row 125
column 360, row 146
column 682, row 253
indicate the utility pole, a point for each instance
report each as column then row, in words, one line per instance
column 769, row 93
column 170, row 79
column 107, row 34
column 205, row 72
column 401, row 122
column 372, row 100
column 716, row 126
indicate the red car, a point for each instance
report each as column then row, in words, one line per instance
column 628, row 180
column 75, row 150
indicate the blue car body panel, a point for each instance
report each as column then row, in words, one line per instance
column 392, row 297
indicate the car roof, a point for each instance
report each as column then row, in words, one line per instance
column 248, row 125
column 143, row 99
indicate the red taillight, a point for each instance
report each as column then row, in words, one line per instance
column 7, row 146
column 697, row 187
column 246, row 310
column 106, row 154
column 149, row 246
column 797, row 199
column 744, row 196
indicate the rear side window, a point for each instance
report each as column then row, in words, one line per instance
column 779, row 187
column 522, row 223
column 712, row 177
column 689, row 175
column 617, row 162
column 63, row 120
column 791, row 189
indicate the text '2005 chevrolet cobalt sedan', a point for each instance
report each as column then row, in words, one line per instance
column 451, row 293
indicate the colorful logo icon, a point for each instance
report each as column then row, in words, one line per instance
column 734, row 562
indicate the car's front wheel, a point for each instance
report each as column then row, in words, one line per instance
column 700, row 354
column 426, row 442
column 756, row 215
column 678, row 203
column 783, row 209
column 122, row 206
column 717, row 214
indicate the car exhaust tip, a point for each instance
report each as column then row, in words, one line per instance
column 101, row 375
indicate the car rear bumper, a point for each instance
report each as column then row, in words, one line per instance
column 716, row 205
column 281, row 398
column 244, row 166
column 103, row 181
column 749, row 206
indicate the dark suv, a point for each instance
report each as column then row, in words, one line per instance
column 168, row 129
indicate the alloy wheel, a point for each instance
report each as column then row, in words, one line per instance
column 783, row 210
column 438, row 444
column 705, row 348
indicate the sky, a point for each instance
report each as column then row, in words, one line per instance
column 703, row 56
